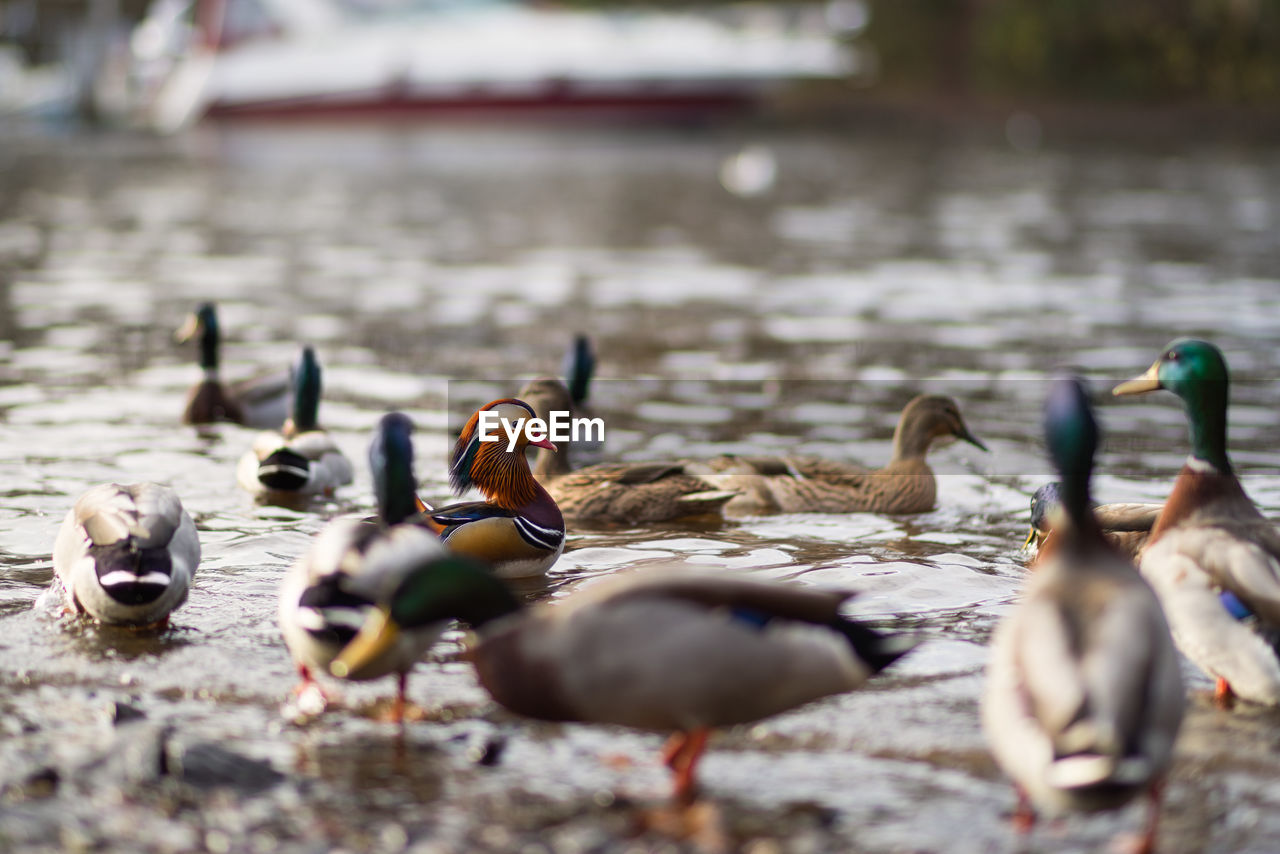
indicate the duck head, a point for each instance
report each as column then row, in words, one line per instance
column 1195, row 371
column 1071, row 434
column 1046, row 501
column 203, row 322
column 451, row 587
column 547, row 395
column 391, row 461
column 305, row 375
column 489, row 454
column 579, row 366
column 926, row 418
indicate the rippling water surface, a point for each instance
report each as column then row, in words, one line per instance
column 437, row 269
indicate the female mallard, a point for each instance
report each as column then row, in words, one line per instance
column 1127, row 526
column 1083, row 697
column 301, row 460
column 812, row 485
column 636, row 493
column 517, row 529
column 615, row 493
column 678, row 651
column 127, row 554
column 261, row 402
column 546, row 396
column 355, row 566
column 1212, row 558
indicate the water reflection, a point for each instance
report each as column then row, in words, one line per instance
column 373, row 767
column 100, row 642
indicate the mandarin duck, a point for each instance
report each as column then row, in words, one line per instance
column 1213, row 558
column 126, row 554
column 517, row 529
column 355, row 566
column 1083, row 694
column 1125, row 525
column 261, row 402
column 812, row 485
column 302, row 459
column 680, row 651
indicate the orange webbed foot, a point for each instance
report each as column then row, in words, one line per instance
column 1024, row 815
column 1223, row 697
column 682, row 758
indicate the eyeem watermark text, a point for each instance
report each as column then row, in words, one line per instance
column 561, row 427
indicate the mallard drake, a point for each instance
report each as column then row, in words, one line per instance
column 126, row 554
column 357, row 565
column 680, row 651
column 1083, row 697
column 302, row 459
column 517, row 529
column 1125, row 525
column 1213, row 558
column 261, row 402
column 812, row 485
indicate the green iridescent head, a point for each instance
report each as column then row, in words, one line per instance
column 306, row 390
column 1072, row 436
column 1195, row 371
column 202, row 323
column 391, row 461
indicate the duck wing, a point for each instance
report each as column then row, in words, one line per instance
column 1131, row 517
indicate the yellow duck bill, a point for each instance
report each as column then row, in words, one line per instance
column 376, row 636
column 1150, row 381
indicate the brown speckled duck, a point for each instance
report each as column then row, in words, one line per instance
column 547, row 395
column 616, row 493
column 812, row 485
column 636, row 493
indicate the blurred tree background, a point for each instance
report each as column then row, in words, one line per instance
column 1121, row 50
column 1150, row 50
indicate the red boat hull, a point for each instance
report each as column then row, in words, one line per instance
column 639, row 103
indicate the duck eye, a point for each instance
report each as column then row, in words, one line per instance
column 1171, row 356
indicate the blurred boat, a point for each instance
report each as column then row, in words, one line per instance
column 282, row 58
